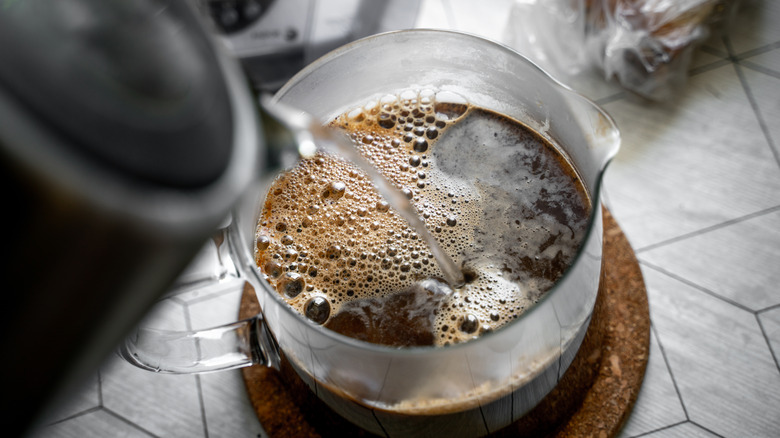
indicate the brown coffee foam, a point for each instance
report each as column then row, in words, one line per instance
column 336, row 244
column 594, row 397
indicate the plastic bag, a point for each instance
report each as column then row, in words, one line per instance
column 644, row 45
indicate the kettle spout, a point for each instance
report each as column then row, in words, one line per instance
column 287, row 135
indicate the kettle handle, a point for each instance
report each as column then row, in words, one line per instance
column 223, row 347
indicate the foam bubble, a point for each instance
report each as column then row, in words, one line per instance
column 408, row 95
column 450, row 97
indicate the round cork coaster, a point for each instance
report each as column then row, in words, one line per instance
column 593, row 398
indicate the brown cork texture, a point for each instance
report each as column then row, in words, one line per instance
column 593, row 398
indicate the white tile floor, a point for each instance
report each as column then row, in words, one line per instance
column 695, row 187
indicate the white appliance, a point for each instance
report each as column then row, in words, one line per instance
column 276, row 38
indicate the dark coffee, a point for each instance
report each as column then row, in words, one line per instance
column 504, row 203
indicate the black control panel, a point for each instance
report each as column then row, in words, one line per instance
column 234, row 15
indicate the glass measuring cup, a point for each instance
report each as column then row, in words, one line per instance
column 461, row 390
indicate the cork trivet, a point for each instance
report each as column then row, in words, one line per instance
column 593, row 398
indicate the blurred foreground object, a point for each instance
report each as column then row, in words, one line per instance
column 644, row 45
column 126, row 137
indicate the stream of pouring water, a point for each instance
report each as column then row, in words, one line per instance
column 343, row 147
column 310, row 135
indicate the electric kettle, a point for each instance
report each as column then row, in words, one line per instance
column 126, row 136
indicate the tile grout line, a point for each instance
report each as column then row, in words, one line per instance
column 660, row 429
column 202, row 404
column 768, row 342
column 696, row 286
column 706, row 429
column 479, row 403
column 709, row 67
column 755, row 313
column 381, row 426
column 757, row 51
column 752, row 100
column 669, row 369
column 768, row 308
column 100, row 387
column 381, row 390
column 708, row 229
column 755, row 67
column 88, row 410
column 131, row 423
column 76, row 415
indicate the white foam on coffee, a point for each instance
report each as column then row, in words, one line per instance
column 328, row 232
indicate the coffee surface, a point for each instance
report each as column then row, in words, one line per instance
column 504, row 203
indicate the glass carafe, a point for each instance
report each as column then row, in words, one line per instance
column 466, row 389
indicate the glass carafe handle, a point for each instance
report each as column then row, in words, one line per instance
column 242, row 343
column 223, row 347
